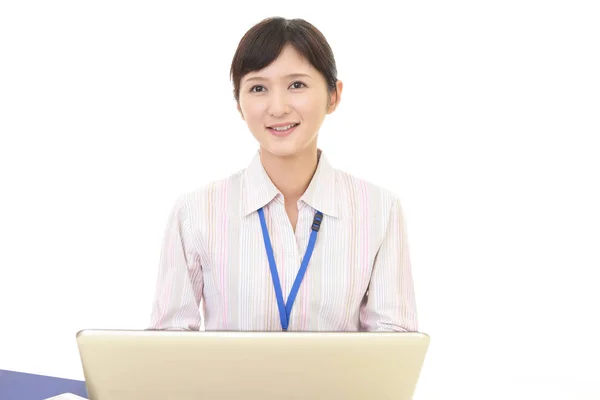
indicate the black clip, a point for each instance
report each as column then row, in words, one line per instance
column 317, row 221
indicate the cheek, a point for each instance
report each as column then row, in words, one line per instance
column 308, row 107
column 253, row 113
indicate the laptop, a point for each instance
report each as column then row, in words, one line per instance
column 184, row 365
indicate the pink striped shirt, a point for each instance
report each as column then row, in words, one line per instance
column 358, row 279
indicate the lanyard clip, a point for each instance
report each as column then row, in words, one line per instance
column 316, row 225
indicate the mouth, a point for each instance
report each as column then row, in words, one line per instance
column 282, row 130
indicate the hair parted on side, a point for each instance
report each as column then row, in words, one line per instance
column 263, row 43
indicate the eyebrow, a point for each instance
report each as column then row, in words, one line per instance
column 260, row 78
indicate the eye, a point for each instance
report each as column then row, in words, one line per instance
column 294, row 85
column 256, row 86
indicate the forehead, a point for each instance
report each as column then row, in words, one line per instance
column 287, row 63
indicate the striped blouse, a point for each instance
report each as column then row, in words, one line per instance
column 213, row 256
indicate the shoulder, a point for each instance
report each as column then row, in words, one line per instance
column 355, row 191
column 211, row 193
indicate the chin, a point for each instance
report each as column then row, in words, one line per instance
column 287, row 147
column 281, row 152
column 282, row 149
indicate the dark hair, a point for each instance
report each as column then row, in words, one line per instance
column 261, row 45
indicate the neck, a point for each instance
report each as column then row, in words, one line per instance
column 291, row 175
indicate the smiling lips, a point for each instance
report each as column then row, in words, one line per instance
column 282, row 130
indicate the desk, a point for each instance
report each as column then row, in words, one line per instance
column 22, row 386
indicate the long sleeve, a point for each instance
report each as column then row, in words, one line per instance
column 390, row 301
column 180, row 283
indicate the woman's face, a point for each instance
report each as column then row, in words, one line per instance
column 289, row 91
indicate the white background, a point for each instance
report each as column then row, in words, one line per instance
column 484, row 117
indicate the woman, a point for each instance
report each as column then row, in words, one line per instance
column 289, row 243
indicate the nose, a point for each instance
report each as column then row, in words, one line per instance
column 278, row 104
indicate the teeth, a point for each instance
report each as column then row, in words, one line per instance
column 284, row 128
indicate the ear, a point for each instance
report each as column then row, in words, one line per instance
column 240, row 110
column 335, row 97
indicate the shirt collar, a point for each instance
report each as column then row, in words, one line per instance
column 259, row 190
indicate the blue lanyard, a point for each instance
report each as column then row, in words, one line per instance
column 286, row 309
